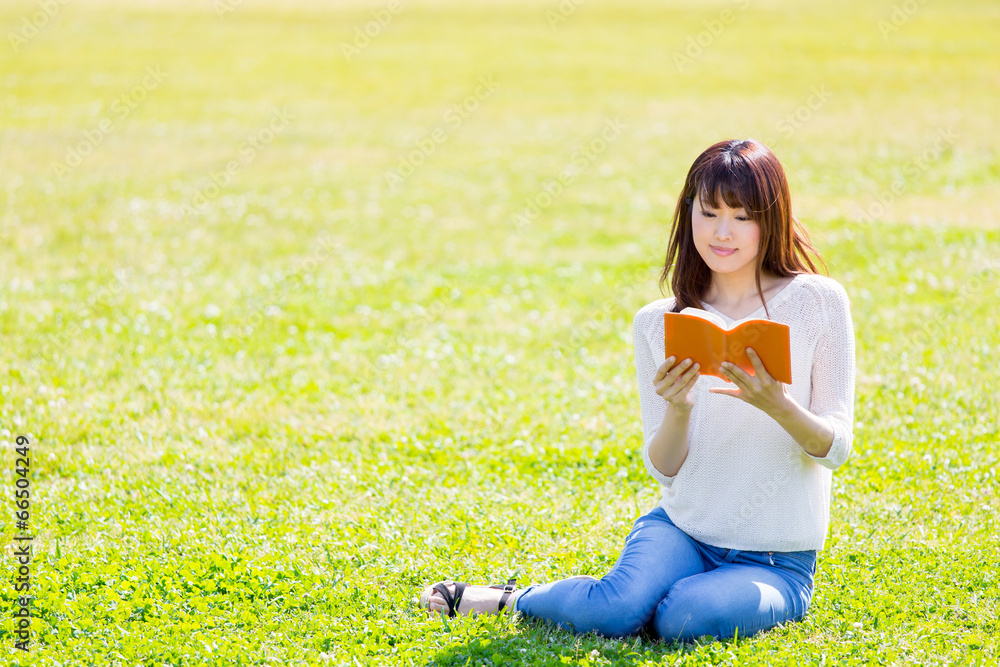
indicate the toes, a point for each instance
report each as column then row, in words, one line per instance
column 432, row 601
column 425, row 598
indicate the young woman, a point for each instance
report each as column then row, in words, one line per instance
column 745, row 464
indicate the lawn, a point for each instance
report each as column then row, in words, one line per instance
column 306, row 305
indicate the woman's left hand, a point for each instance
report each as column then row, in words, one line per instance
column 759, row 390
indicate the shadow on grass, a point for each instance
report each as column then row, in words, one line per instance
column 533, row 641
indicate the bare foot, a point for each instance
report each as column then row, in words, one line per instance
column 475, row 600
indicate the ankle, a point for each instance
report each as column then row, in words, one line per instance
column 515, row 597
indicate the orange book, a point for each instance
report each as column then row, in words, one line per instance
column 705, row 338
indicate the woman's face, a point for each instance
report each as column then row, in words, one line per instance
column 726, row 238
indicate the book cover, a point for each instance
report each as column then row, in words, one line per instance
column 704, row 337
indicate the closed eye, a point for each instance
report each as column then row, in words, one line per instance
column 741, row 218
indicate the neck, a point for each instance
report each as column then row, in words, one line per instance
column 735, row 288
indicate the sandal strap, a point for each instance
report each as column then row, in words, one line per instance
column 508, row 590
column 451, row 601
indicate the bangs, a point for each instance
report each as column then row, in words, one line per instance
column 730, row 178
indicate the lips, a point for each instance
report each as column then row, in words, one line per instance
column 723, row 252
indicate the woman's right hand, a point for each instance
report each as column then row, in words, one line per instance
column 674, row 383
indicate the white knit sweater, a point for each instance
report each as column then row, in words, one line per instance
column 746, row 484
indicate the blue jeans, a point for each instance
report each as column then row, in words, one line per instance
column 679, row 588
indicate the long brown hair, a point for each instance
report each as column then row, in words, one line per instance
column 745, row 173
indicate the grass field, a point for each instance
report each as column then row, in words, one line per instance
column 307, row 305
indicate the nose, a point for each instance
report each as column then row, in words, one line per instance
column 723, row 231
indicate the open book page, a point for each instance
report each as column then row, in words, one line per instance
column 704, row 314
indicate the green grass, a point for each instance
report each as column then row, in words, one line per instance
column 260, row 425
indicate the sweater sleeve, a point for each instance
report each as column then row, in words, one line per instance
column 646, row 363
column 833, row 373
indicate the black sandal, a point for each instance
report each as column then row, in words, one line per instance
column 454, row 601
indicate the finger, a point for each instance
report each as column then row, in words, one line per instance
column 684, row 383
column 735, row 374
column 663, row 368
column 734, row 371
column 680, row 385
column 691, row 373
column 758, row 365
column 688, row 379
column 676, row 378
column 725, row 392
column 692, row 380
column 680, row 369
